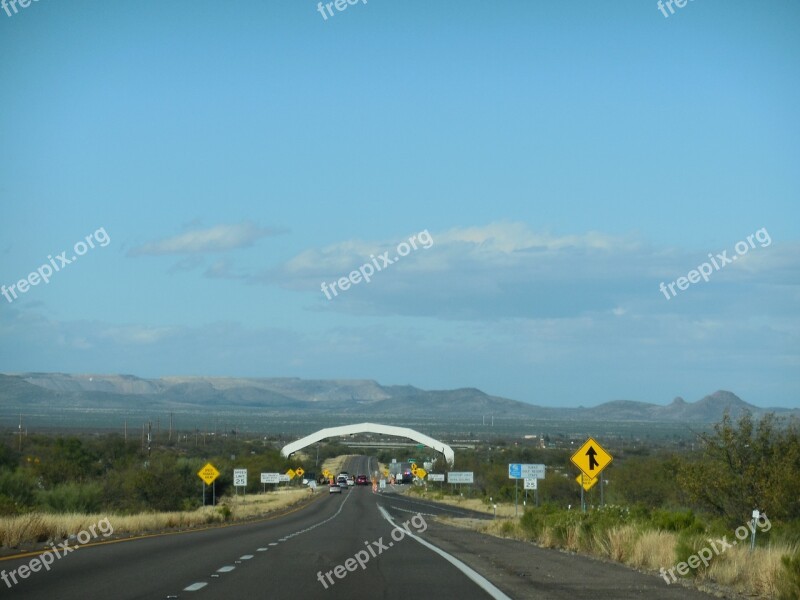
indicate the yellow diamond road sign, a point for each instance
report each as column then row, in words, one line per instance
column 291, row 474
column 420, row 472
column 299, row 471
column 208, row 474
column 586, row 482
column 591, row 458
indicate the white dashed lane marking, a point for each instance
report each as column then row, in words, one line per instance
column 228, row 568
column 195, row 586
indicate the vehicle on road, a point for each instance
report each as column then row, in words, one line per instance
column 362, row 480
column 351, row 480
column 335, row 488
column 341, row 481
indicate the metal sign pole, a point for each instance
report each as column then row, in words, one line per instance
column 516, row 491
column 756, row 516
column 583, row 501
column 204, row 493
column 602, row 498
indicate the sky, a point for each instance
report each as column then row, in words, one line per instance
column 211, row 165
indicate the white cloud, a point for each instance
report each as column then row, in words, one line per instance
column 218, row 238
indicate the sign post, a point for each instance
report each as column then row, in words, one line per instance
column 517, row 471
column 273, row 478
column 240, row 480
column 591, row 459
column 756, row 517
column 208, row 474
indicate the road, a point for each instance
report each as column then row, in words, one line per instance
column 354, row 545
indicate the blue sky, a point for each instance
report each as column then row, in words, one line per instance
column 565, row 158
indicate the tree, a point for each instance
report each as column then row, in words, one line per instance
column 746, row 465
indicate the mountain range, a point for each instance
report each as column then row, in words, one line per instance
column 348, row 399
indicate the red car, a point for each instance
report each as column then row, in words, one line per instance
column 362, row 480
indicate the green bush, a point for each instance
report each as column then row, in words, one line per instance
column 678, row 521
column 689, row 544
column 72, row 497
column 17, row 491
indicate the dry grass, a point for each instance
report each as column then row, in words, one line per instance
column 617, row 543
column 749, row 573
column 254, row 505
column 754, row 574
column 504, row 510
column 653, row 550
column 36, row 528
column 334, row 465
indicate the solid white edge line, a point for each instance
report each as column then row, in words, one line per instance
column 474, row 576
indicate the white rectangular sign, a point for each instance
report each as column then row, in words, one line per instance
column 460, row 477
column 283, row 477
column 520, row 471
column 531, row 484
column 435, row 476
column 270, row 478
column 240, row 477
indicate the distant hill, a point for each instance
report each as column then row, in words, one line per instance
column 44, row 393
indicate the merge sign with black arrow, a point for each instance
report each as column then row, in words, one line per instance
column 591, row 458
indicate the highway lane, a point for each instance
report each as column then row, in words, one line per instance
column 282, row 558
column 318, row 552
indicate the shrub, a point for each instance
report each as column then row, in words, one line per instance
column 72, row 498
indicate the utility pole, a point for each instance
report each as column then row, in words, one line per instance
column 20, row 432
column 149, row 436
column 126, row 430
column 170, row 427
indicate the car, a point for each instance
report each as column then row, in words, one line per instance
column 341, row 481
column 351, row 480
column 335, row 488
column 362, row 480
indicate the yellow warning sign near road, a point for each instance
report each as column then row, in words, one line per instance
column 591, row 458
column 208, row 473
column 420, row 472
column 291, row 474
column 299, row 471
column 586, row 482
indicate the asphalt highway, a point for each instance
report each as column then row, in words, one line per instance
column 357, row 544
